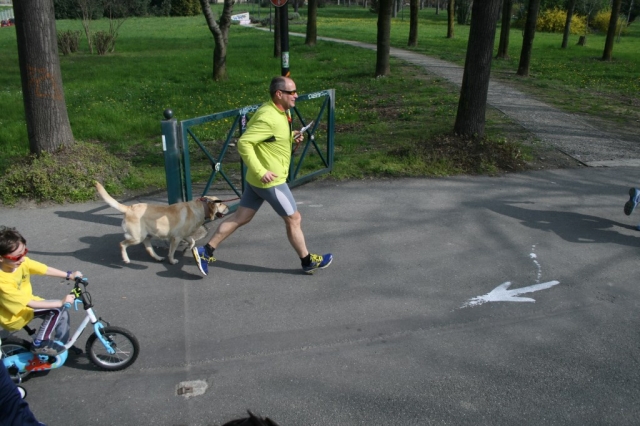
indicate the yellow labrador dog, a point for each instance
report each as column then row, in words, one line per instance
column 176, row 222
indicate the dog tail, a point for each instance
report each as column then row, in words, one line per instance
column 110, row 200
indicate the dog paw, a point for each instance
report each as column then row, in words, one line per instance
column 173, row 261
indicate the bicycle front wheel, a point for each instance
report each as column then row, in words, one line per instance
column 124, row 343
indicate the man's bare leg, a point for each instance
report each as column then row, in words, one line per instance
column 241, row 217
column 295, row 235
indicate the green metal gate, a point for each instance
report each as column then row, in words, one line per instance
column 312, row 158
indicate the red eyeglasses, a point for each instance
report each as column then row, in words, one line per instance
column 18, row 257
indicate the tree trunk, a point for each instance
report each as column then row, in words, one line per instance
column 472, row 105
column 413, row 23
column 505, row 28
column 451, row 12
column 220, row 36
column 312, row 23
column 220, row 61
column 384, row 38
column 45, row 108
column 611, row 32
column 527, row 39
column 567, row 24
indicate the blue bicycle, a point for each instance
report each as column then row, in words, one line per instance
column 109, row 348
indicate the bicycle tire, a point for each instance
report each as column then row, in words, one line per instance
column 123, row 341
column 12, row 346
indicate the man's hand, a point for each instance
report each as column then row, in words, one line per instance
column 298, row 136
column 268, row 177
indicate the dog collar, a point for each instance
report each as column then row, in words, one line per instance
column 206, row 208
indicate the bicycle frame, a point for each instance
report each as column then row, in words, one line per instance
column 28, row 362
column 97, row 326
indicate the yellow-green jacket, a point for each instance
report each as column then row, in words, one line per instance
column 266, row 145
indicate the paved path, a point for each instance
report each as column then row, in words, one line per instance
column 567, row 132
column 381, row 336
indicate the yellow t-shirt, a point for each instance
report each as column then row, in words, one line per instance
column 16, row 292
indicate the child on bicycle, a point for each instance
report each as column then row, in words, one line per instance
column 18, row 305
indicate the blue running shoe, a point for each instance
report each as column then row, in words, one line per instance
column 318, row 262
column 202, row 260
column 634, row 198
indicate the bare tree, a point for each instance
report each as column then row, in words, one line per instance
column 220, row 33
column 527, row 39
column 451, row 13
column 45, row 108
column 611, row 32
column 567, row 24
column 383, row 67
column 117, row 11
column 312, row 23
column 505, row 28
column 413, row 23
column 470, row 119
column 88, row 8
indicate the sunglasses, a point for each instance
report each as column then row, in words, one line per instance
column 291, row 92
column 16, row 258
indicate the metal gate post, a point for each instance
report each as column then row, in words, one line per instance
column 171, row 149
column 332, row 126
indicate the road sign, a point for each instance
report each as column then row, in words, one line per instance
column 278, row 3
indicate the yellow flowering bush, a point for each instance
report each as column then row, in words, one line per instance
column 553, row 20
column 601, row 22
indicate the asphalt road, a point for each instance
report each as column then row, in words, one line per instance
column 381, row 337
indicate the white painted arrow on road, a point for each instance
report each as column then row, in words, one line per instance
column 502, row 294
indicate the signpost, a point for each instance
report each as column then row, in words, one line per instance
column 282, row 9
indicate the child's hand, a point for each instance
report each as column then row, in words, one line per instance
column 69, row 298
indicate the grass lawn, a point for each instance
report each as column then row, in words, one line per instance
column 385, row 127
column 574, row 79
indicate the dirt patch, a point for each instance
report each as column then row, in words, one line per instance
column 548, row 157
column 486, row 156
